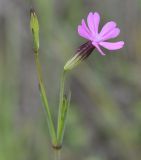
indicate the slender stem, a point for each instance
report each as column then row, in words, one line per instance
column 44, row 99
column 59, row 127
column 57, row 154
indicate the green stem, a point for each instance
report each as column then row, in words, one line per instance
column 57, row 154
column 44, row 99
column 60, row 127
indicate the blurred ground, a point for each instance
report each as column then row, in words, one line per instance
column 105, row 116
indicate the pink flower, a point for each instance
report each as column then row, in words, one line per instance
column 91, row 32
column 95, row 39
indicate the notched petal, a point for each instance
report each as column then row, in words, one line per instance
column 107, row 28
column 112, row 45
column 96, row 17
column 82, row 32
column 112, row 34
column 98, row 48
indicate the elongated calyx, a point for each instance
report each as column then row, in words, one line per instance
column 82, row 53
column 34, row 25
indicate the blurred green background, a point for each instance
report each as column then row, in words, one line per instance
column 104, row 121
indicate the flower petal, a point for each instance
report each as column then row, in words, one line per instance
column 98, row 48
column 112, row 45
column 93, row 22
column 96, row 17
column 107, row 28
column 90, row 21
column 83, row 33
column 112, row 34
column 85, row 27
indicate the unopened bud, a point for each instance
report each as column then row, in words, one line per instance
column 34, row 25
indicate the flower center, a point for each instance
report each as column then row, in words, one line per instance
column 97, row 38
